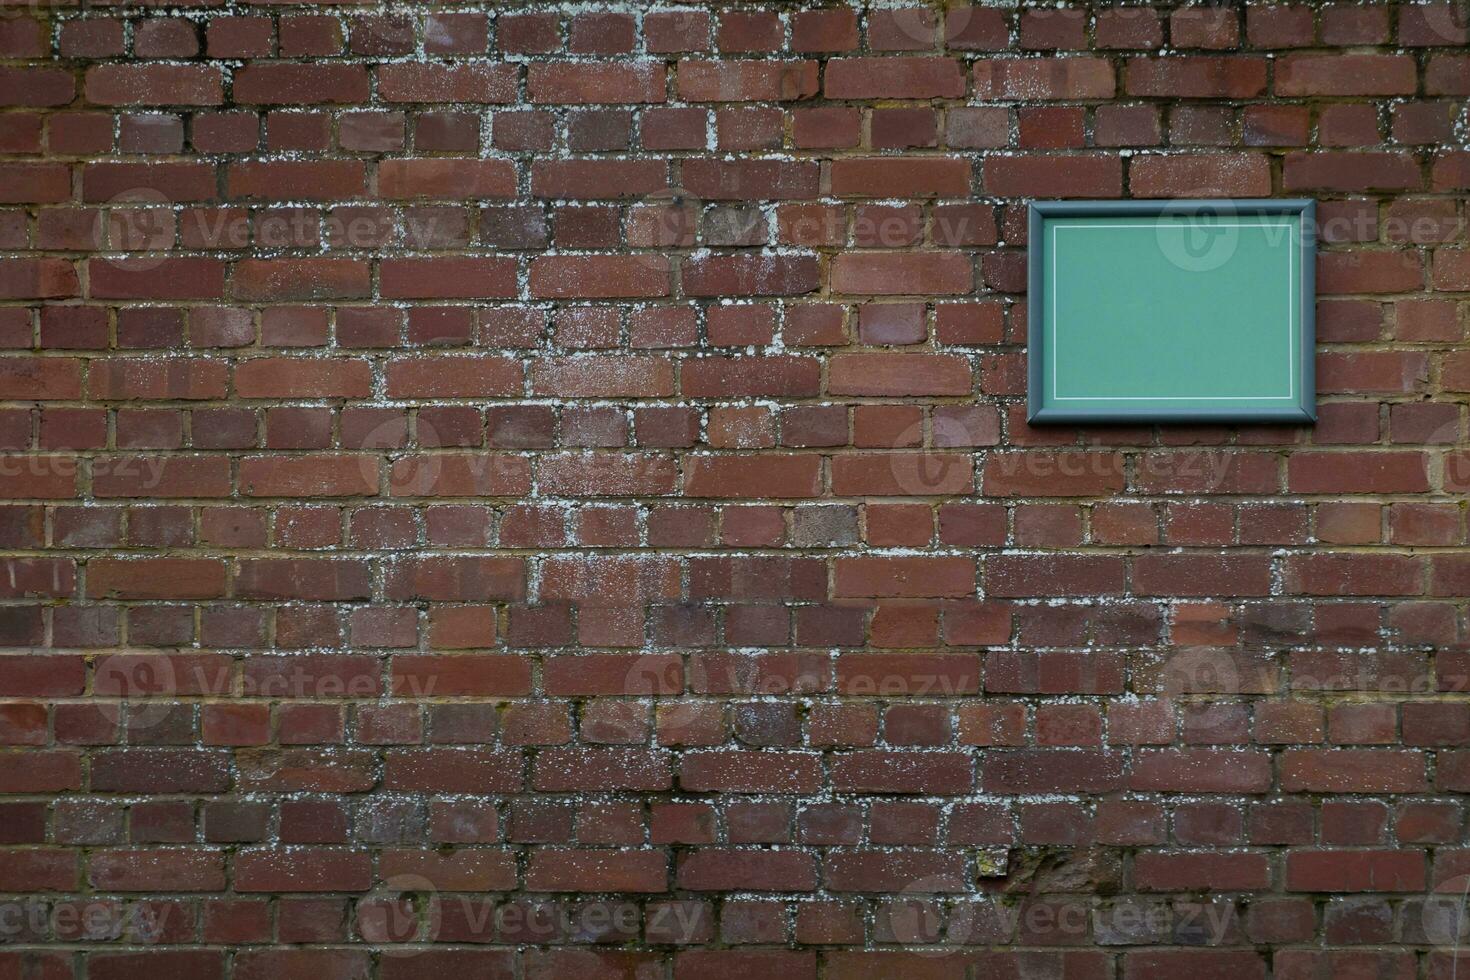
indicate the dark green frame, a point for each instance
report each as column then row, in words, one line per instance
column 1038, row 411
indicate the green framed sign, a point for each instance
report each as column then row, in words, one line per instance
column 1171, row 311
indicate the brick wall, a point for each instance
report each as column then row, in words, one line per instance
column 546, row 491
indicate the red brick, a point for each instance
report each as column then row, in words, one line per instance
column 1049, row 78
column 1355, row 574
column 43, row 771
column 598, row 179
column 303, row 377
column 1053, row 176
column 894, row 78
column 824, row 30
column 1352, row 771
column 35, row 183
column 602, row 377
column 454, row 578
column 1197, row 77
column 1357, row 472
column 328, row 964
column 1336, row 170
column 169, row 963
column 1355, row 871
column 42, row 87
column 1200, row 175
column 624, row 277
column 892, row 177
column 923, row 675
column 749, row 275
column 155, row 279
column 300, row 84
column 1376, row 371
column 713, row 869
column 445, row 376
column 897, row 576
column 741, row 476
column 302, row 870
column 697, row 964
column 850, row 871
column 274, row 280
column 1234, row 964
column 597, row 871
column 578, row 82
column 158, row 578
column 447, row 278
column 1201, row 771
column 140, row 84
column 746, row 81
column 1346, row 74
column 926, row 773
column 1203, row 575
column 317, row 475
column 316, row 180
column 302, row 578
column 447, row 83
column 1051, row 474
column 1129, row 28
column 446, row 179
column 1201, row 871
column 1051, row 771
column 902, row 273
column 184, row 871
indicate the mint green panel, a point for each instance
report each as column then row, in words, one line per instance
column 1171, row 315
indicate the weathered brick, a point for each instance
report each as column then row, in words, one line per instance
column 403, row 478
column 301, row 84
column 580, row 82
column 1346, row 74
column 447, row 83
column 446, row 179
column 884, row 177
column 1355, row 871
column 746, row 81
column 125, row 84
column 1053, row 176
column 1197, row 77
column 894, row 78
column 1048, row 78
column 1212, row 175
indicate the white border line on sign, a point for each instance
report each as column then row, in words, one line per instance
column 1291, row 327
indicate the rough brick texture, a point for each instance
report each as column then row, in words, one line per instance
column 544, row 491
